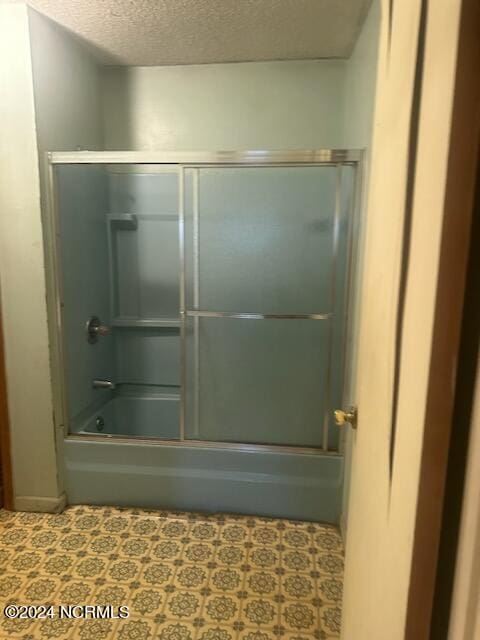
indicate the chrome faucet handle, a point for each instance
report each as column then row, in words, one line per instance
column 103, row 384
column 95, row 328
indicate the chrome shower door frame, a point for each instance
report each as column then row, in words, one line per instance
column 183, row 161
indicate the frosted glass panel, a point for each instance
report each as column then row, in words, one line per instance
column 260, row 239
column 256, row 381
column 82, row 198
column 119, row 241
column 340, row 303
column 138, row 190
column 145, row 267
column 257, row 240
column 144, row 254
column 266, row 240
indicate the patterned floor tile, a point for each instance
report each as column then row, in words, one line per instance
column 176, row 630
column 256, row 634
column 260, row 612
column 184, row 576
column 60, row 629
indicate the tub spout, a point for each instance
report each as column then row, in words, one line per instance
column 103, row 384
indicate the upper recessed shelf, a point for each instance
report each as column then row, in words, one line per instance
column 123, row 221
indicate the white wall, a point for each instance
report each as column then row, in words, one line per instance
column 262, row 105
column 361, row 78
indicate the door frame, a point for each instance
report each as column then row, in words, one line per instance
column 448, row 316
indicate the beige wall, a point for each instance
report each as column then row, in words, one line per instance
column 50, row 100
column 66, row 81
column 68, row 116
column 273, row 105
column 22, row 274
column 259, row 105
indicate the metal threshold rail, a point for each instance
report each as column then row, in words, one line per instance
column 253, row 157
column 257, row 316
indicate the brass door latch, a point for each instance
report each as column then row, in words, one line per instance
column 350, row 416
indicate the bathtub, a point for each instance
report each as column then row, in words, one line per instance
column 140, row 473
column 155, row 416
column 110, row 460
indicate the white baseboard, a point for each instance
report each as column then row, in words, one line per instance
column 40, row 504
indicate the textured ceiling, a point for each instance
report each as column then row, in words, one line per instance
column 163, row 32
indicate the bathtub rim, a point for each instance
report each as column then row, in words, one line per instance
column 203, row 444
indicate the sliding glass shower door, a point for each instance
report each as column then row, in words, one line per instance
column 264, row 302
column 222, row 295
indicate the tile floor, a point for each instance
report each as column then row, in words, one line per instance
column 183, row 576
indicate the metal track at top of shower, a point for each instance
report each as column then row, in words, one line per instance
column 214, row 158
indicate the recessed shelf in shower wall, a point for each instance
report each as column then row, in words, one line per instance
column 144, row 269
column 123, row 221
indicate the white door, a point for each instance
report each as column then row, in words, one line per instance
column 415, row 80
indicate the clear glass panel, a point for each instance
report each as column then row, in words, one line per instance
column 260, row 239
column 120, row 262
column 256, row 381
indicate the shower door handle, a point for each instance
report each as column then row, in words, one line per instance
column 102, row 330
column 95, row 328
